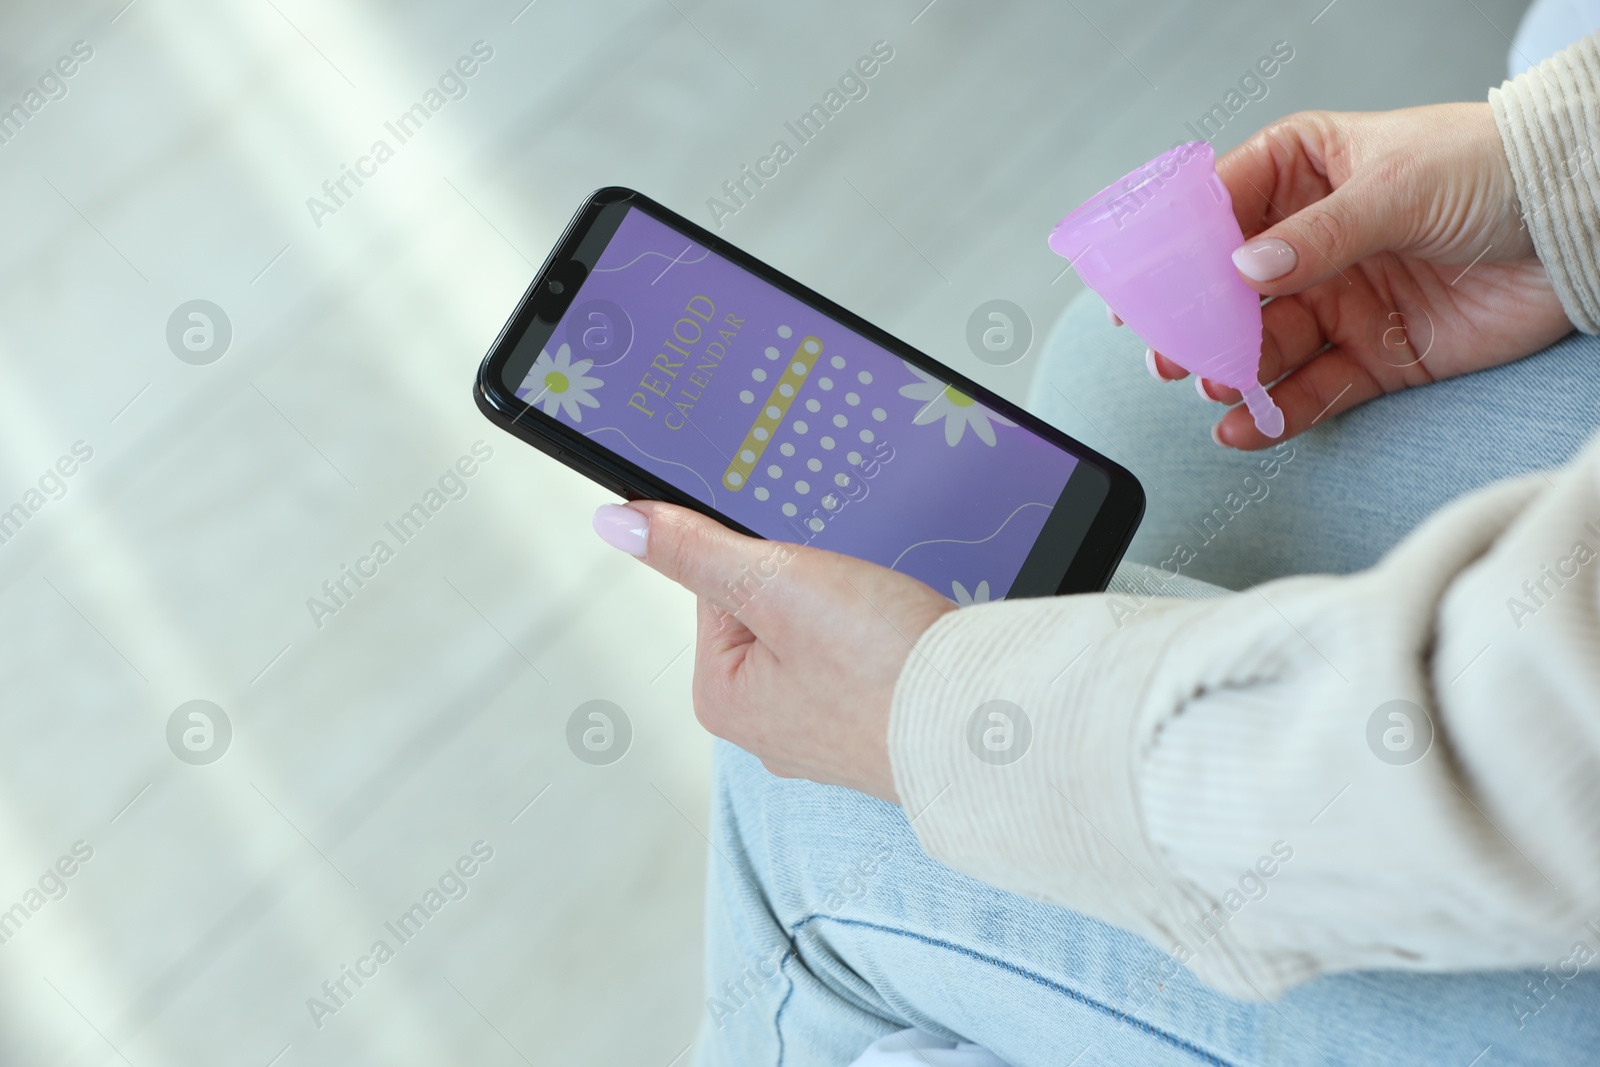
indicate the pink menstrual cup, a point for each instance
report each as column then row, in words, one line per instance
column 1157, row 246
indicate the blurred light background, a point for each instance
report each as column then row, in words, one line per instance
column 370, row 753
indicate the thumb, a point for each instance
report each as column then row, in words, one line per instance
column 1321, row 240
column 697, row 552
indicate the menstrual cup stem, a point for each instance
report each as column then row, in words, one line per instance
column 1269, row 420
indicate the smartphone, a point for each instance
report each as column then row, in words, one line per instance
column 656, row 358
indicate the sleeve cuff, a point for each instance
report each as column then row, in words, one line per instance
column 1048, row 707
column 1549, row 123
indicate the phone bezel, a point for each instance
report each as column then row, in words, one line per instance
column 1089, row 569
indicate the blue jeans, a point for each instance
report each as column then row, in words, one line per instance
column 828, row 927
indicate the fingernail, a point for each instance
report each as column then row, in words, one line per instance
column 1265, row 259
column 1200, row 387
column 1150, row 364
column 622, row 528
column 1216, row 435
column 1112, row 315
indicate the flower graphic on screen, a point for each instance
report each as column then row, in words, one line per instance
column 964, row 599
column 957, row 409
column 560, row 384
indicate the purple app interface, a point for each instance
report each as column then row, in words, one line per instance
column 788, row 422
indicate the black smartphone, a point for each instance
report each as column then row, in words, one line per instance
column 659, row 360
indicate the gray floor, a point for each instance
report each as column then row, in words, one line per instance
column 370, row 752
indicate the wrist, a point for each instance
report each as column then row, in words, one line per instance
column 1506, row 235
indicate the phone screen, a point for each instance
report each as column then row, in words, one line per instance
column 781, row 418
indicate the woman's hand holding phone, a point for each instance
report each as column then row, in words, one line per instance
column 1394, row 245
column 803, row 676
column 664, row 363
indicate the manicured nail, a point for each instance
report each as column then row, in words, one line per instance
column 1264, row 259
column 622, row 528
column 1112, row 315
column 1150, row 364
column 1216, row 435
column 1200, row 387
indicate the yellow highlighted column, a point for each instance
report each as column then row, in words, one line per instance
column 784, row 392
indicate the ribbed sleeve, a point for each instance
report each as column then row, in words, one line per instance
column 1549, row 122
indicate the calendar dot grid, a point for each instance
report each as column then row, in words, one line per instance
column 795, row 490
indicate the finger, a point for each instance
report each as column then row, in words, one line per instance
column 1163, row 368
column 719, row 633
column 697, row 552
column 1302, row 229
column 1321, row 242
column 722, row 646
column 1280, row 169
column 1332, row 383
column 1290, row 335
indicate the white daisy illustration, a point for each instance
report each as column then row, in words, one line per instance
column 957, row 409
column 560, row 385
column 964, row 599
